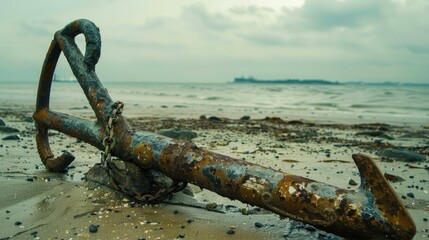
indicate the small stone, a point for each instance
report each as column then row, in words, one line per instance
column 18, row 223
column 203, row 117
column 245, row 118
column 259, row 225
column 93, row 228
column 211, row 205
column 353, row 182
column 401, row 155
column 28, row 119
column 30, row 179
column 5, row 129
column 181, row 236
column 230, row 232
column 184, row 134
column 12, row 137
column 425, row 219
column 214, row 119
column 410, row 194
column 393, row 178
column 379, row 134
column 33, row 233
column 190, row 221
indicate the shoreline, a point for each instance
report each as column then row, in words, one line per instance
column 402, row 107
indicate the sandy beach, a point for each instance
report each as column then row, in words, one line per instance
column 37, row 204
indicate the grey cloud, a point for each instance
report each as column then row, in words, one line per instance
column 197, row 14
column 327, row 15
column 252, row 10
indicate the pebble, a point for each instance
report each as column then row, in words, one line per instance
column 379, row 134
column 401, row 155
column 214, row 119
column 12, row 137
column 259, row 225
column 393, row 178
column 184, row 134
column 18, row 223
column 245, row 117
column 93, row 228
column 30, row 179
column 410, row 194
column 353, row 182
column 230, row 232
column 28, row 119
column 8, row 129
column 181, row 236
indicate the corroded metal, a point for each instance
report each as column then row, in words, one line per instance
column 371, row 211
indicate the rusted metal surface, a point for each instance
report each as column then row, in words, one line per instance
column 371, row 211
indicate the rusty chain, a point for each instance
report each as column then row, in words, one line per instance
column 109, row 141
column 106, row 156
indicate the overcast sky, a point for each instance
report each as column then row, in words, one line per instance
column 215, row 41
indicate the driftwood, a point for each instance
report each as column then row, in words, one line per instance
column 371, row 211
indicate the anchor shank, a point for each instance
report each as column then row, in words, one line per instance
column 345, row 212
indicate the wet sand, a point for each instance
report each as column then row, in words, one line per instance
column 38, row 204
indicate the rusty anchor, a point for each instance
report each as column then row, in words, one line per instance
column 371, row 211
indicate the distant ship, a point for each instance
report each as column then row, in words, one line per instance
column 64, row 79
column 283, row 81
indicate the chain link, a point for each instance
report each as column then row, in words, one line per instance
column 106, row 156
column 109, row 141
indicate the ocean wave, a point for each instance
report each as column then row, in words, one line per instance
column 332, row 105
column 368, row 106
column 212, row 98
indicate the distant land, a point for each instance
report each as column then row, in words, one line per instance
column 321, row 82
column 283, row 81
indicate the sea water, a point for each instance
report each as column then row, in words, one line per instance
column 400, row 105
